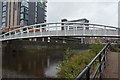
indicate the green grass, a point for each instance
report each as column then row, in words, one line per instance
column 74, row 64
column 114, row 48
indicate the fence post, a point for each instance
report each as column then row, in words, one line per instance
column 104, row 52
column 88, row 74
column 100, row 69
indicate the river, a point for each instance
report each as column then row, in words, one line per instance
column 32, row 63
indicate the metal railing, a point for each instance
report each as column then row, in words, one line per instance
column 101, row 56
column 55, row 29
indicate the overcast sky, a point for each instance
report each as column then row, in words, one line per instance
column 96, row 11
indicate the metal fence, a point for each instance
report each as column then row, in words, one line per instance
column 55, row 29
column 97, row 73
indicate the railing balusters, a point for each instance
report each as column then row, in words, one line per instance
column 65, row 26
column 100, row 68
column 101, row 56
column 88, row 74
column 104, row 53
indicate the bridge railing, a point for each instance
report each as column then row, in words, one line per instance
column 97, row 74
column 60, row 29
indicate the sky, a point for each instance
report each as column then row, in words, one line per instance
column 96, row 11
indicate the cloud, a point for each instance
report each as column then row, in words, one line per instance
column 96, row 12
column 83, row 0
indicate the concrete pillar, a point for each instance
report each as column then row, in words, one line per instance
column 56, row 41
column 82, row 40
column 7, row 41
column 30, row 39
column 64, row 40
column 43, row 39
column 35, row 39
column 48, row 39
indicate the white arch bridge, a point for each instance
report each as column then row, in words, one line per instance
column 61, row 29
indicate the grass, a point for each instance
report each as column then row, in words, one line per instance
column 114, row 48
column 74, row 64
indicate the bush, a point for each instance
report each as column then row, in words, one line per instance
column 74, row 64
column 114, row 48
column 96, row 48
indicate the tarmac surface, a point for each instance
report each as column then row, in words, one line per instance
column 112, row 70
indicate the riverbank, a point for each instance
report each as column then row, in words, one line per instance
column 39, row 44
column 21, row 46
column 72, row 66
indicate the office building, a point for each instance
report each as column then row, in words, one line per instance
column 0, row 14
column 22, row 13
column 84, row 20
column 37, row 13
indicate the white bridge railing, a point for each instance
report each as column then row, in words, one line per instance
column 60, row 29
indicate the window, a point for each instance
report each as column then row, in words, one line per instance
column 26, row 17
column 4, row 3
column 22, row 9
column 21, row 16
column 24, row 3
column 35, row 14
column 4, row 14
column 3, row 24
column 25, row 23
column 35, row 19
column 4, row 8
column 26, row 10
column 3, row 19
column 22, row 22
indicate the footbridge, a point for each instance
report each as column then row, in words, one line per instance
column 61, row 29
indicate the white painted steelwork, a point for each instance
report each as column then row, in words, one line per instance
column 73, row 29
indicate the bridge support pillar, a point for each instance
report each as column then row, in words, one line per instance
column 35, row 39
column 30, row 39
column 43, row 39
column 64, row 41
column 48, row 39
column 82, row 40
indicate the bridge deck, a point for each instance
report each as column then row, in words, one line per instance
column 111, row 71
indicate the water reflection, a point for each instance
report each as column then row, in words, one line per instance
column 34, row 64
column 51, row 69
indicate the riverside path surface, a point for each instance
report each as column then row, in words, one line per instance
column 112, row 69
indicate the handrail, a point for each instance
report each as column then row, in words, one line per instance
column 65, row 27
column 102, row 59
column 62, row 25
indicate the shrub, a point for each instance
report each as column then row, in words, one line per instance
column 96, row 48
column 114, row 48
column 74, row 64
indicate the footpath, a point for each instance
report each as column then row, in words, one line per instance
column 112, row 70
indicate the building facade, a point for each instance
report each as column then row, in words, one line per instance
column 84, row 20
column 37, row 13
column 22, row 13
column 0, row 14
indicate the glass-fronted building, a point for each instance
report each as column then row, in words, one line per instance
column 0, row 14
column 22, row 13
column 4, row 13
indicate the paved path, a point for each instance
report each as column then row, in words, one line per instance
column 111, row 71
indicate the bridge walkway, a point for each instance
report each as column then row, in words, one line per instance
column 111, row 71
